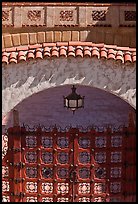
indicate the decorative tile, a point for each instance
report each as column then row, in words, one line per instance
column 31, row 199
column 5, row 171
column 47, row 172
column 31, row 187
column 47, row 187
column 115, row 199
column 100, row 142
column 99, row 199
column 100, row 172
column 63, row 200
column 47, row 157
column 99, row 188
column 100, row 157
column 84, row 188
column 84, row 199
column 31, row 141
column 62, row 173
column 4, row 145
column 63, row 188
column 84, row 173
column 62, row 142
column 31, row 157
column 115, row 172
column 5, row 186
column 116, row 157
column 84, row 157
column 63, row 157
column 31, row 172
column 47, row 142
column 84, row 142
column 47, row 199
column 5, row 198
column 116, row 141
column 115, row 187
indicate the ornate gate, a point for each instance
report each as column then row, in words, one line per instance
column 52, row 165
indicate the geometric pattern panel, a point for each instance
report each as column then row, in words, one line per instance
column 83, row 167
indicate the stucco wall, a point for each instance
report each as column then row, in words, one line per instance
column 46, row 108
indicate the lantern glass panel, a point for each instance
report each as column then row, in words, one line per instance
column 72, row 103
column 80, row 101
column 66, row 102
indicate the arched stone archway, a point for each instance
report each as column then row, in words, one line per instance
column 24, row 79
column 46, row 107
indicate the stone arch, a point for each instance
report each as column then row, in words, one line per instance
column 46, row 108
column 24, row 79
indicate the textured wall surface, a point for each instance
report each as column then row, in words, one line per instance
column 47, row 108
column 25, row 79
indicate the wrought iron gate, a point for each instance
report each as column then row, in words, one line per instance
column 69, row 166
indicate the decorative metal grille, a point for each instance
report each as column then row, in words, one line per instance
column 130, row 15
column 58, row 165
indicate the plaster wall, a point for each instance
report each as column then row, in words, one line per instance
column 46, row 108
column 25, row 79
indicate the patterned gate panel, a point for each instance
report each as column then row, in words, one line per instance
column 70, row 166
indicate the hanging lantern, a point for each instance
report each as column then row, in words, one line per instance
column 74, row 101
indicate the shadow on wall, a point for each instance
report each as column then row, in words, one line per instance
column 46, row 108
column 106, row 28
